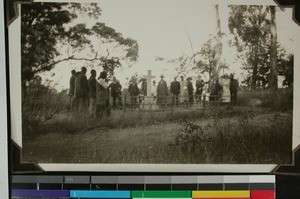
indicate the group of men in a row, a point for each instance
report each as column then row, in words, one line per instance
column 182, row 91
column 93, row 92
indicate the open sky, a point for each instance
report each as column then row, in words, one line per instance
column 161, row 28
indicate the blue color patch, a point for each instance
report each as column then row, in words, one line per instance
column 40, row 193
column 99, row 194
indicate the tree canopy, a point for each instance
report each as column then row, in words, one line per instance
column 52, row 33
column 254, row 30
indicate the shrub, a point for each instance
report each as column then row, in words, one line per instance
column 40, row 105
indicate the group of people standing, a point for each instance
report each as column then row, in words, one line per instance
column 93, row 93
column 181, row 91
column 185, row 91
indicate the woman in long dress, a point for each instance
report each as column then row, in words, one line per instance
column 183, row 96
column 102, row 96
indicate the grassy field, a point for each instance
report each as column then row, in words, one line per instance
column 257, row 130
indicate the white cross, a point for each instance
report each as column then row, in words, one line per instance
column 148, row 78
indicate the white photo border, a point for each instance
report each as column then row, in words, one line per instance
column 16, row 120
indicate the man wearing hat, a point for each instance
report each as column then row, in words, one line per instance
column 233, row 87
column 190, row 90
column 175, row 90
column 144, row 87
column 199, row 88
column 134, row 92
column 82, row 89
column 162, row 91
column 115, row 90
column 92, row 83
column 72, row 89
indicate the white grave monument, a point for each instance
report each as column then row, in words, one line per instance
column 225, row 81
column 149, row 103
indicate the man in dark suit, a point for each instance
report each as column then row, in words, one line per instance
column 82, row 89
column 233, row 88
column 134, row 92
column 199, row 88
column 72, row 89
column 92, row 93
column 175, row 90
column 162, row 91
column 190, row 90
column 115, row 91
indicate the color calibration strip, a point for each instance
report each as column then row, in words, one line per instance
column 136, row 187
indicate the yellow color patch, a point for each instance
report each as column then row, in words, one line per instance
column 221, row 194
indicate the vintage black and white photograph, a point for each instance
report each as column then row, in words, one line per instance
column 156, row 82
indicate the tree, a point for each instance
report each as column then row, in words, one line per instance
column 41, row 27
column 286, row 69
column 250, row 27
column 273, row 54
column 254, row 28
column 217, row 48
column 205, row 59
column 51, row 33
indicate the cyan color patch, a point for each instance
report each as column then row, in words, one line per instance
column 100, row 194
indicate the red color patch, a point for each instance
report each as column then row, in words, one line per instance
column 262, row 194
column 222, row 198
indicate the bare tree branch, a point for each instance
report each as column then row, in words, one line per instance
column 107, row 53
column 67, row 59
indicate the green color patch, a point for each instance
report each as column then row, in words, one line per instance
column 161, row 194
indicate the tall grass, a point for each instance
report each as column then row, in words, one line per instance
column 282, row 100
column 39, row 106
column 48, row 111
column 224, row 141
